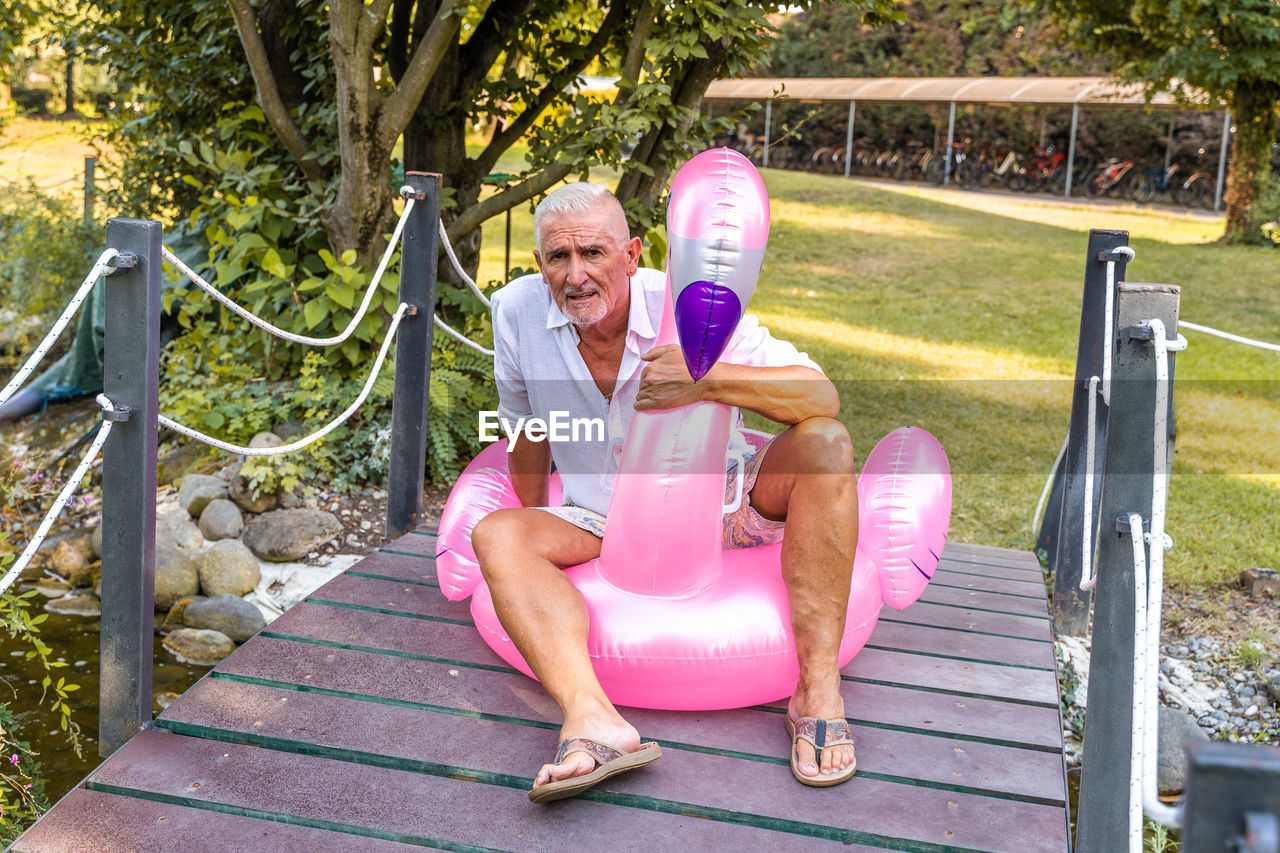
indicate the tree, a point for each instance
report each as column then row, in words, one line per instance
column 1227, row 48
column 339, row 88
column 19, row 16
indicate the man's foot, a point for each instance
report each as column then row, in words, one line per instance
column 606, row 728
column 607, row 761
column 837, row 760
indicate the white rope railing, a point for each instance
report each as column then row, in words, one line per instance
column 318, row 434
column 459, row 337
column 1217, row 333
column 68, row 489
column 247, row 315
column 457, row 267
column 101, row 266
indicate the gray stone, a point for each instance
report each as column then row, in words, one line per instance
column 199, row 647
column 197, row 491
column 289, row 430
column 177, row 575
column 1273, row 687
column 173, row 619
column 221, row 520
column 75, row 605
column 242, row 494
column 265, row 439
column 228, row 566
column 67, row 562
column 233, row 616
column 95, row 542
column 50, row 588
column 178, row 530
column 1178, row 730
column 289, row 534
column 179, row 461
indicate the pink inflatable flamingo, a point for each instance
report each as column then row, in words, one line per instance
column 676, row 622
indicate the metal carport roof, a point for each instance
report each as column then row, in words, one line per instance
column 1092, row 92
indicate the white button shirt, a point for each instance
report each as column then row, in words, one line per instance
column 539, row 370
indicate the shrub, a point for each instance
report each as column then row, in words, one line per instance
column 1264, row 219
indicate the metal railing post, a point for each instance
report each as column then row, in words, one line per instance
column 848, row 138
column 409, row 402
column 1071, row 149
column 951, row 138
column 768, row 127
column 90, row 189
column 131, row 379
column 1062, row 533
column 1103, row 824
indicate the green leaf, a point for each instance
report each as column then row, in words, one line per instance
column 214, row 419
column 341, row 294
column 271, row 263
column 315, row 310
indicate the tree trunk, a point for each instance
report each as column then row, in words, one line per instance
column 1255, row 118
column 70, row 108
column 435, row 141
column 361, row 216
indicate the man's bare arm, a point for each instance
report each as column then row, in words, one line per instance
column 785, row 395
column 530, row 464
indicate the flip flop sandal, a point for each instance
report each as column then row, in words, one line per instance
column 821, row 734
column 609, row 762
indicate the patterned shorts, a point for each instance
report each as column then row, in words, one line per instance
column 742, row 528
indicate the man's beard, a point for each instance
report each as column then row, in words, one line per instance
column 579, row 319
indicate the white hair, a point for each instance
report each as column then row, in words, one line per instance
column 579, row 198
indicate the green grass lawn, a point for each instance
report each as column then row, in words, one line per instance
column 959, row 312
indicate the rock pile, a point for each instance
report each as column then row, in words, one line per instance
column 208, row 556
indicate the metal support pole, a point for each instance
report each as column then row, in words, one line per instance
column 130, row 379
column 848, row 139
column 409, row 400
column 1064, row 533
column 951, row 137
column 768, row 125
column 1222, row 160
column 90, row 190
column 1168, row 148
column 1071, row 148
column 506, row 257
column 1103, row 824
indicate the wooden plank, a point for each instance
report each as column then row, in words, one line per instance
column 1016, row 555
column 252, row 711
column 990, row 720
column 982, row 600
column 392, row 597
column 419, row 807
column 987, row 570
column 506, row 694
column 697, row 781
column 413, row 543
column 398, row 567
column 943, row 616
column 968, row 580
column 1023, row 561
column 960, row 644
column 961, row 678
column 91, row 822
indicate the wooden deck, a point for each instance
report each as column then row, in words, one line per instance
column 372, row 717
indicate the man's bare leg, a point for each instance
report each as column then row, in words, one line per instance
column 807, row 478
column 522, row 553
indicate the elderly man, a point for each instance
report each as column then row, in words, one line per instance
column 579, row 338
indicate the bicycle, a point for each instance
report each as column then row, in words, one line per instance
column 1152, row 183
column 1106, row 180
column 1196, row 191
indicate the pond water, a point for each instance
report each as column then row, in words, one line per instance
column 73, row 639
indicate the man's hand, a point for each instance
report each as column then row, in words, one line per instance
column 665, row 382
